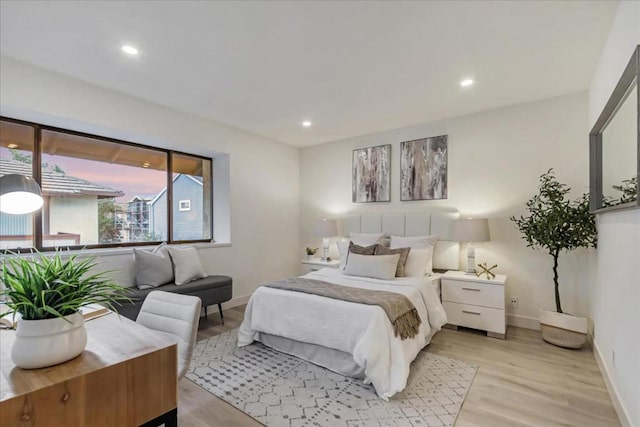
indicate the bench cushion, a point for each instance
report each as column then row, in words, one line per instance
column 211, row 290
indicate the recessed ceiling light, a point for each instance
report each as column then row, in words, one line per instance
column 146, row 164
column 306, row 123
column 12, row 145
column 129, row 50
column 466, row 82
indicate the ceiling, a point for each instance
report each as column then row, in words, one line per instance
column 351, row 68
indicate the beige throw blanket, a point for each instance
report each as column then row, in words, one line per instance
column 400, row 311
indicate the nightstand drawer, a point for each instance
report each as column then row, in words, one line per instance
column 473, row 316
column 483, row 294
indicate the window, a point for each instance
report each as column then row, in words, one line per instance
column 102, row 192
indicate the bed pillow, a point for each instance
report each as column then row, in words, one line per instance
column 376, row 266
column 362, row 250
column 402, row 261
column 186, row 265
column 422, row 248
column 419, row 263
column 343, row 251
column 366, row 239
column 153, row 268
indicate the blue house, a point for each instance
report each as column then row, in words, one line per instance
column 187, row 210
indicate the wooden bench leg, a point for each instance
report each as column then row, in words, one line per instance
column 221, row 316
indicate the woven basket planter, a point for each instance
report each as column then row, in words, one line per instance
column 563, row 330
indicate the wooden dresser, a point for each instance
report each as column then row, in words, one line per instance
column 127, row 376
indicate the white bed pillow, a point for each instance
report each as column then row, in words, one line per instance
column 186, row 265
column 153, row 268
column 366, row 239
column 343, row 251
column 376, row 266
column 419, row 263
column 420, row 259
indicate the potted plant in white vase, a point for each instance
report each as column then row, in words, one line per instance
column 45, row 294
column 556, row 223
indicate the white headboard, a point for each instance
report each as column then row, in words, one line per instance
column 446, row 254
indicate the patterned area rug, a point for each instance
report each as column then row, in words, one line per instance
column 281, row 390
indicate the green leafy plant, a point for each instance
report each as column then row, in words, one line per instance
column 48, row 287
column 629, row 190
column 555, row 223
column 311, row 251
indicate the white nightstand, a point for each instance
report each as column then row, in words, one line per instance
column 314, row 264
column 475, row 302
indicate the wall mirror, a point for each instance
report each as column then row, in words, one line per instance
column 615, row 146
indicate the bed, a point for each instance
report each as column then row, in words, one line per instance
column 353, row 339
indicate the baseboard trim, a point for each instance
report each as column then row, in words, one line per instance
column 523, row 321
column 236, row 301
column 623, row 416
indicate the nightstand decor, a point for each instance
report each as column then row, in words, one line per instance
column 470, row 230
column 486, row 270
column 326, row 228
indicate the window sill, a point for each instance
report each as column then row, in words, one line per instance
column 103, row 252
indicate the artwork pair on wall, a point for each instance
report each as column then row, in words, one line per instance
column 423, row 171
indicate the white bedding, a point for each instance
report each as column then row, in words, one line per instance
column 364, row 331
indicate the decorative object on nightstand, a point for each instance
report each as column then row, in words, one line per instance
column 470, row 230
column 474, row 302
column 310, row 252
column 315, row 264
column 555, row 223
column 326, row 228
column 486, row 270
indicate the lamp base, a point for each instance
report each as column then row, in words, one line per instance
column 470, row 272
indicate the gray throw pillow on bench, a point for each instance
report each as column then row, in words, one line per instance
column 187, row 266
column 153, row 268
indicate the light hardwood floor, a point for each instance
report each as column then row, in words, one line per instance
column 522, row 381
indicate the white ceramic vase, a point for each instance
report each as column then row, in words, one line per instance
column 48, row 342
column 562, row 329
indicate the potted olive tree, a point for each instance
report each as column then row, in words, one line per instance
column 45, row 294
column 555, row 224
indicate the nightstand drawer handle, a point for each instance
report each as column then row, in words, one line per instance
column 471, row 289
column 471, row 312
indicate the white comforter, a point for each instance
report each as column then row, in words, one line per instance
column 363, row 331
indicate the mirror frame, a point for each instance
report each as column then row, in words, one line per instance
column 630, row 75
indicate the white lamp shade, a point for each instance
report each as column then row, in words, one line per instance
column 326, row 228
column 19, row 194
column 470, row 230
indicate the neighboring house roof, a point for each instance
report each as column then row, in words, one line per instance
column 59, row 184
column 196, row 179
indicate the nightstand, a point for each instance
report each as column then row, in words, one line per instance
column 314, row 264
column 475, row 302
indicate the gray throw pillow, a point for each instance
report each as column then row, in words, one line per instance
column 362, row 250
column 403, row 252
column 186, row 265
column 153, row 268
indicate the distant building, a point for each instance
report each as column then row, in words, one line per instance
column 69, row 213
column 187, row 210
column 137, row 224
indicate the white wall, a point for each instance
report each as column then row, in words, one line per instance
column 615, row 294
column 78, row 215
column 495, row 160
column 263, row 174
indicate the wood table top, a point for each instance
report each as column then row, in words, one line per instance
column 111, row 339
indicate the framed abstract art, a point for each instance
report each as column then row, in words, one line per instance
column 371, row 174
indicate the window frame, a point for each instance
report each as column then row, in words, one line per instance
column 36, row 163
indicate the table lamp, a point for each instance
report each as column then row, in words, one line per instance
column 326, row 228
column 19, row 194
column 470, row 230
